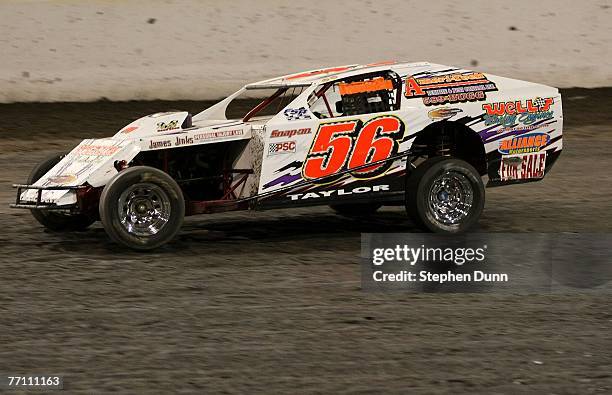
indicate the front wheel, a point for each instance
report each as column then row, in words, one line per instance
column 142, row 208
column 445, row 195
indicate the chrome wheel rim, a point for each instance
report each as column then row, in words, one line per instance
column 451, row 197
column 144, row 209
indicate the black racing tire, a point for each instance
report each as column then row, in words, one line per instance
column 51, row 219
column 427, row 198
column 142, row 208
column 355, row 209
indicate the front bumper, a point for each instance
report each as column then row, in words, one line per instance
column 38, row 204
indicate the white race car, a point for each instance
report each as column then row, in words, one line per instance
column 352, row 137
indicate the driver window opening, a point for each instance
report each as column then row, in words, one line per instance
column 261, row 103
column 364, row 94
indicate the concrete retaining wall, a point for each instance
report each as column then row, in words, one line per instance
column 64, row 50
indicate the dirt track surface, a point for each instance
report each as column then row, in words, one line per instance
column 271, row 302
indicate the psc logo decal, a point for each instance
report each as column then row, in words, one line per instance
column 350, row 144
column 282, row 147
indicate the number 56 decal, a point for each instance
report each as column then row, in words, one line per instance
column 349, row 144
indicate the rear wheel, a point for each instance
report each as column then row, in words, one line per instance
column 356, row 209
column 142, row 208
column 445, row 195
column 53, row 219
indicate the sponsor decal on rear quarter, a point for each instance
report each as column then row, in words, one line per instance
column 531, row 142
column 523, row 112
column 450, row 88
column 522, row 167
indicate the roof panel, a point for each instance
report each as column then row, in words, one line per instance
column 315, row 76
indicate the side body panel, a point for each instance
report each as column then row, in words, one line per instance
column 306, row 160
column 519, row 124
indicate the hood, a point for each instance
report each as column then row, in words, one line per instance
column 91, row 161
column 156, row 124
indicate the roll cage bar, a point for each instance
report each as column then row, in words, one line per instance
column 283, row 88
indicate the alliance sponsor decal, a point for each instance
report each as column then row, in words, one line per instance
column 165, row 126
column 290, row 132
column 522, row 167
column 525, row 112
column 282, row 147
column 523, row 144
column 450, row 88
column 338, row 192
column 443, row 113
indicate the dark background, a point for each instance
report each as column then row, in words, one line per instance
column 272, row 302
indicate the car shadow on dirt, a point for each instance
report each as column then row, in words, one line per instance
column 253, row 231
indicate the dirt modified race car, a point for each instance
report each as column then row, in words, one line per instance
column 353, row 137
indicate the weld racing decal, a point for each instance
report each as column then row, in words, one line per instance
column 450, row 88
column 524, row 112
